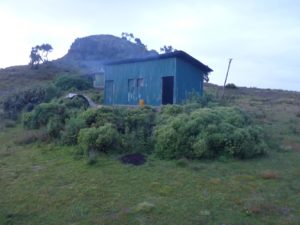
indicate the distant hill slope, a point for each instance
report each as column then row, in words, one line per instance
column 17, row 78
column 89, row 53
column 86, row 55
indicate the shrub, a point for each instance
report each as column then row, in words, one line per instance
column 98, row 117
column 246, row 142
column 54, row 126
column 98, row 97
column 139, row 123
column 231, row 86
column 101, row 139
column 67, row 82
column 89, row 116
column 209, row 133
column 71, row 131
column 14, row 104
column 27, row 120
column 171, row 110
column 75, row 102
column 133, row 125
column 51, row 92
column 42, row 113
column 202, row 100
column 172, row 139
column 190, row 107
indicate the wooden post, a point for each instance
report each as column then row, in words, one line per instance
column 226, row 76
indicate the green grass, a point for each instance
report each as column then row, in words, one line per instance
column 45, row 184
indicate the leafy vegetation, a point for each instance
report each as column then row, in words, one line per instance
column 176, row 132
column 167, row 49
column 71, row 130
column 208, row 133
column 44, row 113
column 26, row 100
column 231, row 86
column 134, row 126
column 130, row 37
column 43, row 184
column 207, row 99
column 39, row 54
column 102, row 139
column 67, row 82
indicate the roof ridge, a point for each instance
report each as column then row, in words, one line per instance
column 178, row 53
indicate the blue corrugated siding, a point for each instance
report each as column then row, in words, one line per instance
column 152, row 73
column 189, row 79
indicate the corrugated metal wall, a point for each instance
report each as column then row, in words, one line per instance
column 138, row 80
column 126, row 84
column 189, row 79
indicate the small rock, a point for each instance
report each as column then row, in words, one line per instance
column 144, row 207
column 205, row 213
column 36, row 168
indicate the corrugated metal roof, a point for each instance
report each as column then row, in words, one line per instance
column 176, row 54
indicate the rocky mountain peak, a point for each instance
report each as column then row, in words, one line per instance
column 104, row 48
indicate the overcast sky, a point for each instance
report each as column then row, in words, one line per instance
column 262, row 37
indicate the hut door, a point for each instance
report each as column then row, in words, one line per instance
column 109, row 92
column 167, row 90
column 132, row 92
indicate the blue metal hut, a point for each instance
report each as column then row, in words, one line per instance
column 157, row 80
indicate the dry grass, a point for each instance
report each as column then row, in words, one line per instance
column 31, row 136
column 16, row 78
column 269, row 175
column 262, row 208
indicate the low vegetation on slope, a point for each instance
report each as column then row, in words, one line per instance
column 175, row 132
column 64, row 166
column 209, row 133
column 25, row 100
column 17, row 78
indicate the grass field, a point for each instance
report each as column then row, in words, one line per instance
column 44, row 183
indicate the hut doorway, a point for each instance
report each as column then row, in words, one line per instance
column 167, row 90
column 109, row 92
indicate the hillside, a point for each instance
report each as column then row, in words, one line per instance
column 277, row 110
column 46, row 182
column 17, row 78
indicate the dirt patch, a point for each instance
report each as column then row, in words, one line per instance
column 269, row 175
column 136, row 159
column 294, row 145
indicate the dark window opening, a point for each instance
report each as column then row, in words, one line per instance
column 135, row 90
column 131, row 85
column 167, row 90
